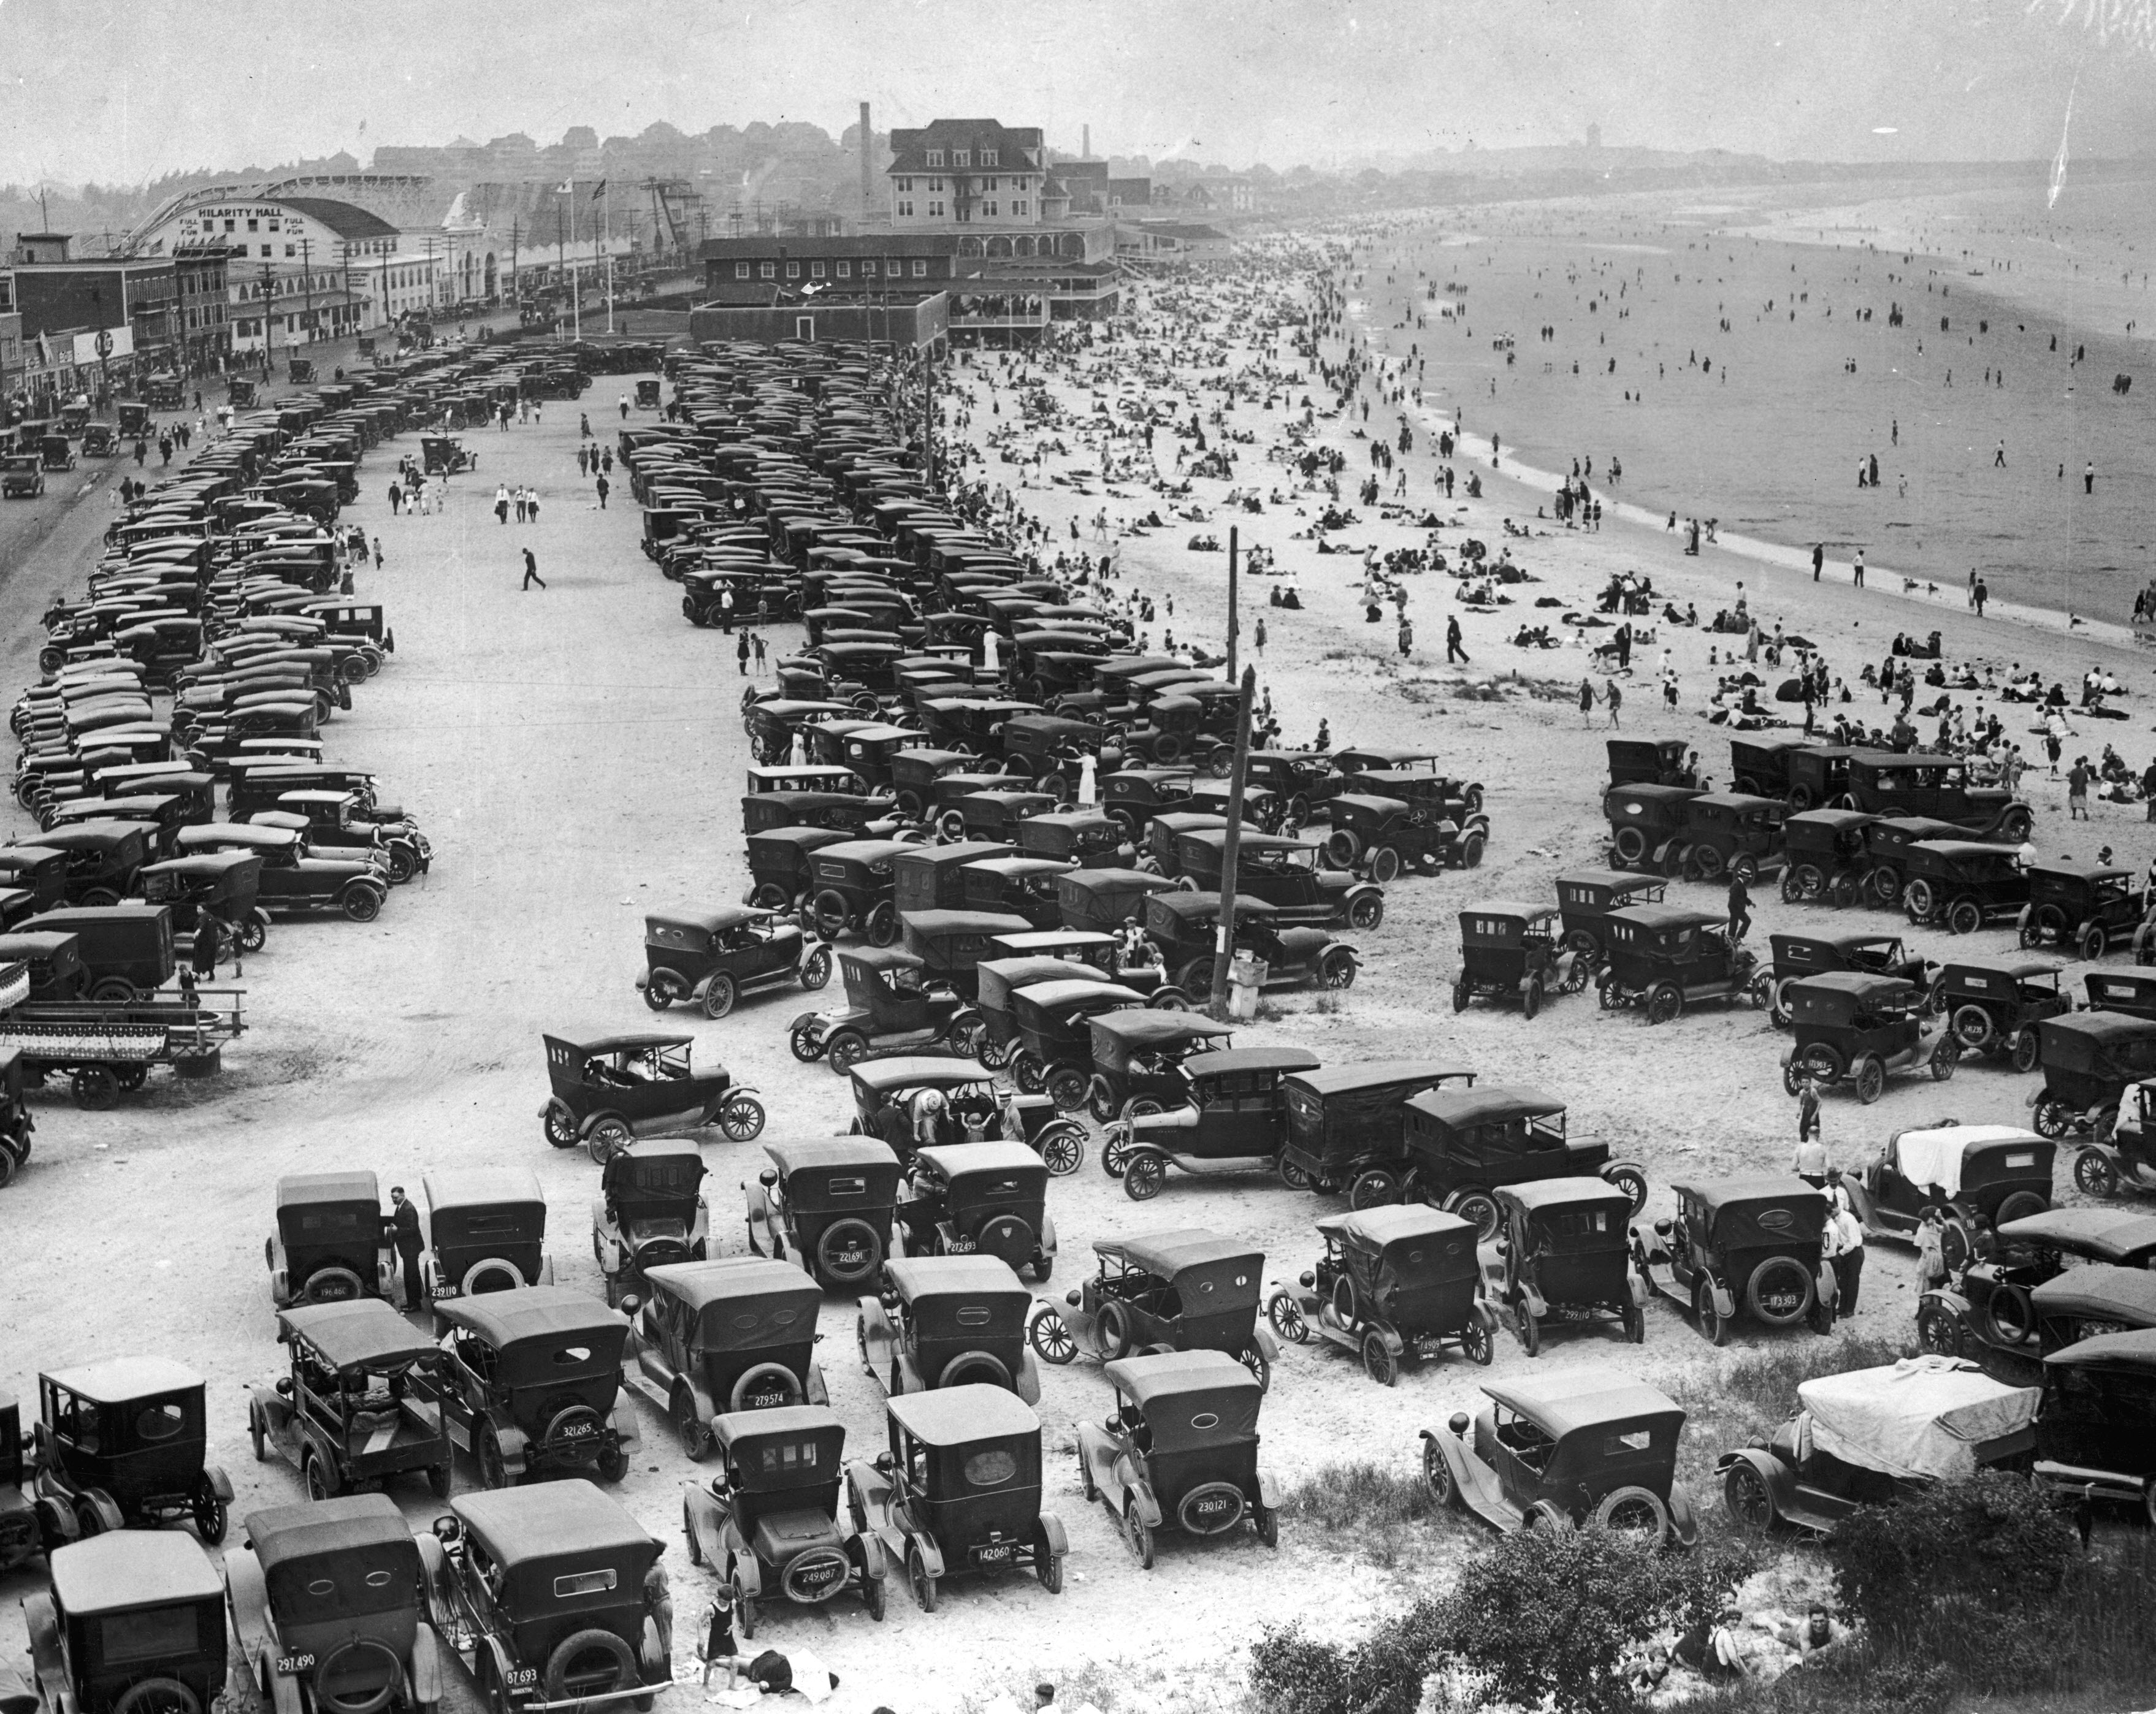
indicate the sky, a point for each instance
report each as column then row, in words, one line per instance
column 92, row 89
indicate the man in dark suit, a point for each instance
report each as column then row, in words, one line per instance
column 404, row 1233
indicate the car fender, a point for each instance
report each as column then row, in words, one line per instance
column 1827, row 1283
column 425, row 1676
column 815, row 1392
column 1725, row 1300
column 1051, row 1529
column 749, row 1572
column 57, row 1522
column 515, row 1443
column 1133, row 1482
column 1096, row 1452
column 1953, row 1302
column 1458, row 1459
column 2021, row 921
column 803, row 1021
column 1268, row 1494
column 247, row 1595
column 42, row 1620
column 874, row 1562
column 1269, row 1346
column 1027, row 1379
column 1533, row 1301
column 505, row 1663
column 1781, row 1481
column 1047, row 1234
column 622, row 1420
column 1684, row 1522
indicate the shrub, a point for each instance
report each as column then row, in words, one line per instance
column 1990, row 1543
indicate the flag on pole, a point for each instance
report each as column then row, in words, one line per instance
column 565, row 187
column 598, row 190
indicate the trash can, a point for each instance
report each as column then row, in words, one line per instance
column 1246, row 981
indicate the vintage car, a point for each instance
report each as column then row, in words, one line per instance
column 890, row 1102
column 129, row 1624
column 1509, row 949
column 346, row 1414
column 767, row 1519
column 1020, row 886
column 1664, row 957
column 1728, row 833
column 1646, row 825
column 330, row 1604
column 1344, row 1124
column 1751, row 1245
column 933, row 877
column 532, row 1384
column 1915, row 782
column 613, row 1089
column 1284, row 874
column 119, row 1445
column 291, row 880
column 1184, row 1290
column 1763, row 765
column 712, row 957
column 1235, row 1119
column 1408, row 772
column 1962, row 883
column 551, row 1598
column 1586, row 896
column 1100, row 901
column 126, row 950
column 24, row 1531
column 979, row 1198
column 22, row 476
column 827, row 1202
column 1132, row 797
column 1851, row 1023
column 890, row 1009
column 2124, row 1157
column 2089, row 907
column 951, row 944
column 1866, row 1437
column 1651, row 761
column 1395, row 1286
column 1870, row 951
column 2093, row 1426
column 1304, row 783
column 852, row 884
column 217, row 888
column 1886, row 842
column 1562, row 1257
column 991, row 1031
column 1459, row 1146
column 1998, row 1172
column 709, row 1338
column 2089, row 1060
column 1180, row 1450
column 2131, row 992
column 1083, row 837
column 959, row 1490
column 782, row 868
column 331, row 1242
column 1993, row 1005
column 2046, row 1280
column 944, row 1321
column 914, row 772
column 1381, row 836
column 1829, row 860
column 1054, row 1052
column 1558, row 1451
column 486, row 1231
column 1184, row 928
column 1142, row 1059
column 649, row 1211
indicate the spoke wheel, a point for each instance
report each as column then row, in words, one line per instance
column 1745, row 1495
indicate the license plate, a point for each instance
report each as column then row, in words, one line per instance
column 768, row 1399
column 522, row 1678
column 1211, row 1506
column 291, row 1665
column 997, row 1555
column 578, row 1431
column 1783, row 1303
column 821, row 1575
column 851, row 1258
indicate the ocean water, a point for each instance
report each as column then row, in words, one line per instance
column 1736, row 355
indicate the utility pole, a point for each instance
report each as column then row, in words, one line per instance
column 606, row 219
column 1235, row 624
column 307, row 282
column 515, row 237
column 1231, row 850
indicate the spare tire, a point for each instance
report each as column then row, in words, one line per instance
column 573, row 1423
column 491, row 1273
column 766, row 1387
column 975, row 1366
column 1211, row 1509
column 1780, row 1292
column 1007, row 1236
column 587, row 1663
column 849, row 1252
column 1631, row 843
column 332, row 1286
column 351, row 1688
column 157, row 1696
column 1636, row 1511
column 1112, row 1330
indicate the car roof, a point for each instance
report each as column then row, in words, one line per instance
column 2111, row 1233
column 465, row 1187
column 1739, row 800
column 117, row 1380
column 1073, row 938
column 1562, row 1400
column 1173, row 1374
column 1905, row 758
column 529, row 1311
column 1611, row 878
column 957, row 1416
column 281, row 1533
column 1859, row 984
column 1168, row 1253
column 2079, row 871
column 1555, row 1192
column 1841, row 940
column 549, row 1521
column 956, row 1159
column 2104, row 1026
column 731, row 1428
column 1462, row 1107
column 711, row 921
column 1376, row 1074
column 731, row 1279
column 917, row 1277
column 1509, row 907
column 1752, row 1187
column 944, row 1069
column 304, row 1189
column 1223, row 1061
column 628, row 1041
column 2136, row 1350
column 2019, row 969
column 355, row 1334
column 1390, row 1225
column 792, row 1156
column 1658, row 916
column 1971, row 1136
column 2101, row 1292
column 934, row 922
column 129, row 1568
column 1144, row 1025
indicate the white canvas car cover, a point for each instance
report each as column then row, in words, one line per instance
column 1923, row 1416
column 1934, row 1157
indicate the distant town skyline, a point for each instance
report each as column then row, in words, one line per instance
column 94, row 93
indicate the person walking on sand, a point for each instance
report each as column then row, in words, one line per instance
column 1454, row 650
column 531, row 572
column 1810, row 1162
column 1740, row 908
column 2088, row 478
column 1407, row 636
column 1615, row 700
column 1819, row 559
column 1587, row 702
column 1258, row 637
column 501, row 501
column 2078, row 785
column 740, row 652
column 1857, row 573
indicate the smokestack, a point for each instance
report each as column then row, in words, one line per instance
column 868, row 203
column 1085, row 144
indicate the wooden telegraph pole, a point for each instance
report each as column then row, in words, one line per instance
column 1232, row 846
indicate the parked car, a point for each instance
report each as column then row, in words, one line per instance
column 1586, row 896
column 1869, row 952
column 1507, row 948
column 1141, row 1060
column 127, row 1624
column 1762, row 765
column 24, row 1530
column 2048, row 1280
column 1961, row 883
column 728, row 1335
column 1558, row 1451
column 959, row 1490
column 552, row 1587
column 2089, row 907
column 1184, row 928
column 1646, row 826
column 782, row 869
column 331, row 1242
column 951, row 944
column 2126, row 1158
column 947, row 1320
column 1663, row 958
column 979, row 1198
column 486, row 1231
column 650, row 1212
column 1344, row 1124
column 330, row 1606
column 1886, row 842
column 1055, row 1053
column 768, row 1521
column 1235, row 1121
column 1183, row 1290
column 2089, row 1060
column 121, row 1444
column 1917, row 782
column 1998, row 1172
column 2131, row 992
column 1180, row 1450
column 889, row 1101
column 1747, row 1245
column 1867, row 1437
column 1460, row 1147
column 344, row 1415
column 828, row 1202
column 712, row 957
column 1729, row 833
column 2096, row 1431
column 1850, row 1024
column 1100, row 901
column 532, row 1385
column 1395, row 1286
column 292, row 881
column 1829, row 857
column 613, row 1089
column 890, row 1008
column 1284, row 874
column 1381, row 836
column 1992, row 1005
column 126, row 950
column 1652, row 762
column 1562, row 1258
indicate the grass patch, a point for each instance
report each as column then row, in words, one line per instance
column 1386, row 1512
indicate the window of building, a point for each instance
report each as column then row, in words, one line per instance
column 934, row 184
column 1019, row 206
column 905, row 207
column 989, row 209
column 920, row 268
column 291, row 250
column 905, row 184
column 793, row 270
column 769, row 270
column 935, row 211
column 231, row 226
column 934, row 158
column 265, row 249
column 273, row 224
column 815, row 270
column 988, row 157
column 845, row 270
column 253, row 226
column 741, row 270
column 869, row 268
column 962, row 158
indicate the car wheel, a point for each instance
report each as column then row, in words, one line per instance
column 2093, row 1173
column 1632, row 1181
column 658, row 991
column 1385, row 865
column 1290, row 1175
column 741, row 1119
column 2026, row 1051
column 882, row 927
column 719, row 996
column 1285, row 1316
column 362, row 905
column 1529, row 1331
column 1712, row 1321
column 1378, row 1363
column 1437, row 1477
column 1937, row 1331
column 1066, row 1087
column 846, row 1050
column 2093, row 943
column 744, row 1609
column 1746, row 1497
column 1336, row 970
column 1640, row 1513
column 1972, row 1028
column 1966, row 916
column 1050, row 1338
column 1665, row 1003
column 493, row 1469
column 1062, row 1148
column 689, row 1428
column 561, row 1129
column 2019, row 1206
column 916, row 1573
column 1258, row 1364
column 1920, row 898
column 1368, row 911
column 95, row 1089
column 1945, row 1057
column 1136, row 1534
column 1143, row 1174
column 1479, row 1208
column 607, row 1139
column 1780, row 1292
column 1530, row 1002
column 805, row 1046
column 1871, row 1079
column 1373, row 1189
column 210, row 1513
column 1461, row 993
column 873, row 1597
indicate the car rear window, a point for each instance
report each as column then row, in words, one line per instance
column 1621, row 1444
column 991, row 1469
column 151, row 1634
column 583, row 1583
column 162, row 1421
